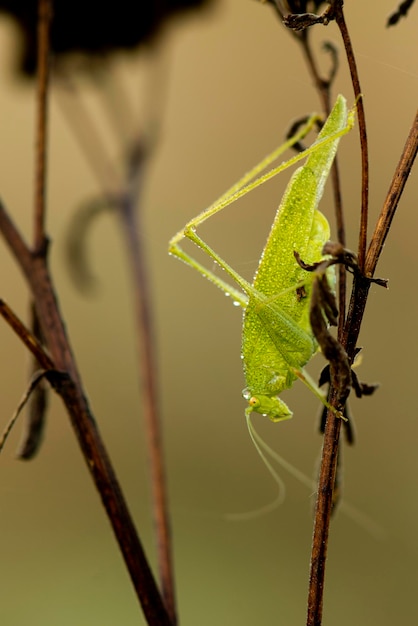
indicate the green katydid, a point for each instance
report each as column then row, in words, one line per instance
column 277, row 339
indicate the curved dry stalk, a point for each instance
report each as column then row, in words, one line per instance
column 69, row 387
column 333, row 424
column 348, row 329
column 125, row 203
column 66, row 379
column 130, row 218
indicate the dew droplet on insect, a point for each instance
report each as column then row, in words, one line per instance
column 227, row 294
column 246, row 393
column 236, row 303
column 275, row 380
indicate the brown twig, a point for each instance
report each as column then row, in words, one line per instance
column 25, row 335
column 323, row 87
column 340, row 19
column 130, row 217
column 68, row 383
column 392, row 199
column 69, row 388
column 88, row 137
column 37, row 407
column 362, row 286
column 349, row 329
column 44, row 21
column 125, row 203
column 331, row 442
column 333, row 424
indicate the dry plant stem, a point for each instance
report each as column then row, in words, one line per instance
column 36, row 273
column 44, row 20
column 26, row 336
column 357, row 305
column 333, row 426
column 126, row 206
column 88, row 137
column 361, row 287
column 339, row 17
column 323, row 86
column 323, row 509
column 130, row 214
column 342, row 274
column 332, row 431
column 391, row 202
column 34, row 267
column 117, row 105
column 35, row 419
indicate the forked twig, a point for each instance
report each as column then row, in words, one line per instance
column 130, row 215
column 125, row 202
column 69, row 388
column 67, row 383
column 367, row 259
column 332, row 430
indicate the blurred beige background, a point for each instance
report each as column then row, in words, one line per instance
column 235, row 79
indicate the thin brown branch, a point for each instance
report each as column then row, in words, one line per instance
column 342, row 274
column 347, row 332
column 332, row 431
column 148, row 367
column 339, row 17
column 323, row 509
column 393, row 196
column 362, row 286
column 116, row 104
column 69, row 388
column 37, row 398
column 323, row 87
column 44, row 21
column 333, row 426
column 84, row 129
column 126, row 205
column 114, row 503
column 26, row 336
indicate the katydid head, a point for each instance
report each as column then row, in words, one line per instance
column 270, row 406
